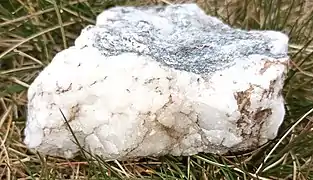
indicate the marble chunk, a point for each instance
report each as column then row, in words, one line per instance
column 151, row 81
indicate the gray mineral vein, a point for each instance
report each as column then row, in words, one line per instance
column 193, row 45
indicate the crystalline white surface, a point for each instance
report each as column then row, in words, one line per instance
column 150, row 81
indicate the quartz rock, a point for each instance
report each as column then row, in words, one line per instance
column 151, row 81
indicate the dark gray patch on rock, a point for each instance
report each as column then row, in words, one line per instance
column 182, row 37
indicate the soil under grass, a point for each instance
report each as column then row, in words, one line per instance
column 33, row 31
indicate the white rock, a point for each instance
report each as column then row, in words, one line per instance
column 150, row 81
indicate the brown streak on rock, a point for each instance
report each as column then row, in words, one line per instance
column 266, row 65
column 259, row 118
column 261, row 115
column 250, row 122
column 247, row 121
column 269, row 63
column 169, row 130
column 243, row 98
column 74, row 112
column 268, row 93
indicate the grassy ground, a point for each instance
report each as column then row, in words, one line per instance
column 33, row 31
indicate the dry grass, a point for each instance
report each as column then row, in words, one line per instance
column 33, row 31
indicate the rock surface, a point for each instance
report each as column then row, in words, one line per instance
column 150, row 81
